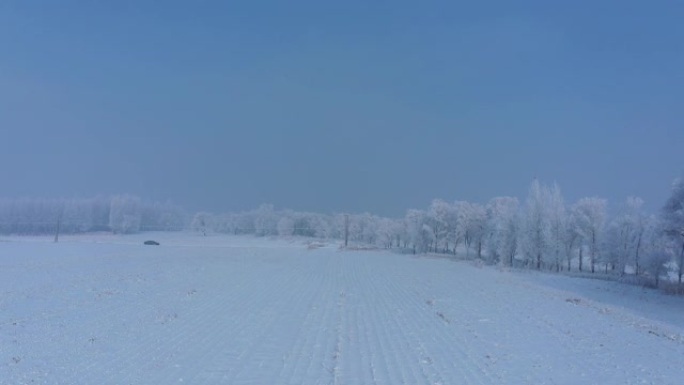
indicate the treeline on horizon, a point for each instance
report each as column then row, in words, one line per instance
column 118, row 214
column 543, row 233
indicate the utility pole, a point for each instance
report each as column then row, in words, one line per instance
column 59, row 224
column 346, row 230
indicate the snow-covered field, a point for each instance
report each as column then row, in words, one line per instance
column 105, row 309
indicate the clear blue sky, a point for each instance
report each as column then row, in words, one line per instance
column 332, row 106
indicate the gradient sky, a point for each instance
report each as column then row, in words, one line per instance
column 340, row 106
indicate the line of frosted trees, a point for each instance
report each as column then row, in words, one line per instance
column 543, row 233
column 547, row 233
column 118, row 214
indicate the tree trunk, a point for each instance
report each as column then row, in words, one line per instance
column 681, row 264
column 592, row 255
column 636, row 257
column 580, row 258
column 346, row 230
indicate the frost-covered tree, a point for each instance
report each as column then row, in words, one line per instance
column 355, row 228
column 624, row 236
column 76, row 216
column 361, row 228
column 30, row 216
column 265, row 220
column 459, row 219
column 642, row 223
column 225, row 223
column 572, row 238
column 338, row 223
column 241, row 223
column 203, row 222
column 321, row 226
column 590, row 216
column 419, row 233
column 656, row 262
column 512, row 238
column 100, row 206
column 303, row 224
column 125, row 214
column 672, row 217
column 557, row 225
column 657, row 250
column 476, row 228
column 389, row 232
column 163, row 217
column 286, row 226
column 403, row 239
column 536, row 233
column 612, row 253
column 502, row 218
column 438, row 217
column 370, row 228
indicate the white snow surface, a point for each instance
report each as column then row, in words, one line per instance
column 104, row 309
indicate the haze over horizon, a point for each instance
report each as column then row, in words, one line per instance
column 340, row 107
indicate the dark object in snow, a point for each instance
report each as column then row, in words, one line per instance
column 152, row 243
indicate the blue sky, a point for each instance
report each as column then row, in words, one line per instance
column 346, row 106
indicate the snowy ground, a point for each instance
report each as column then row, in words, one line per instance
column 239, row 310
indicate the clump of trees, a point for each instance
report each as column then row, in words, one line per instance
column 119, row 214
column 673, row 224
column 546, row 233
